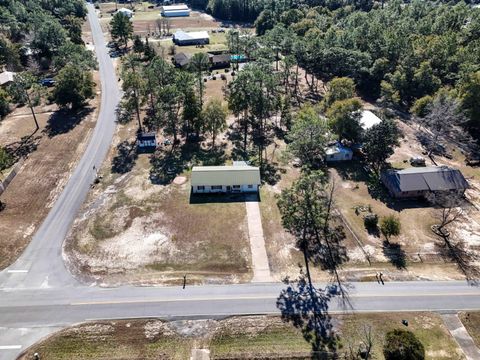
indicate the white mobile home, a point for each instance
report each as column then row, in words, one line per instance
column 338, row 152
column 225, row 179
column 175, row 10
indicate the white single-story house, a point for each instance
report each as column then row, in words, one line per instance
column 127, row 12
column 175, row 10
column 6, row 78
column 191, row 38
column 338, row 152
column 369, row 119
column 237, row 178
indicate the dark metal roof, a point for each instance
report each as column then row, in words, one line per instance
column 439, row 178
column 146, row 136
column 223, row 58
column 181, row 59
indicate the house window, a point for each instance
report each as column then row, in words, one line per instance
column 250, row 186
column 216, row 187
column 201, row 188
column 236, row 186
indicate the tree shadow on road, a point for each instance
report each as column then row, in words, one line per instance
column 307, row 309
column 395, row 254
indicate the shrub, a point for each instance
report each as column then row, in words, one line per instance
column 402, row 345
column 390, row 226
column 370, row 221
column 5, row 159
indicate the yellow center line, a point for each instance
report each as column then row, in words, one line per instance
column 256, row 297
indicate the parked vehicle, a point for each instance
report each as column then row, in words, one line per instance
column 49, row 82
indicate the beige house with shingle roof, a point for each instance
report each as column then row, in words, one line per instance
column 227, row 179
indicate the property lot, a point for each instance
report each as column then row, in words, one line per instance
column 235, row 338
column 51, row 154
column 132, row 229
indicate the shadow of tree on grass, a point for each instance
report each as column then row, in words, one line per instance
column 62, row 121
column 126, row 157
column 395, row 254
column 464, row 258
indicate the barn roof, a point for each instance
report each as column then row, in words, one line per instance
column 225, row 175
column 175, row 7
column 435, row 178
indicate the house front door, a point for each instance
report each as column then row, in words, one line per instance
column 229, row 188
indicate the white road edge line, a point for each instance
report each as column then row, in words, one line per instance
column 17, row 271
column 10, row 347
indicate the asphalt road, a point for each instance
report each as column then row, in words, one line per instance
column 38, row 296
column 43, row 257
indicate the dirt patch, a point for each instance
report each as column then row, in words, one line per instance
column 180, row 180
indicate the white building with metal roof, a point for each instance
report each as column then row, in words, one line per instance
column 236, row 178
column 368, row 119
column 191, row 38
column 175, row 10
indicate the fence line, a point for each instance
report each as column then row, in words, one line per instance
column 11, row 175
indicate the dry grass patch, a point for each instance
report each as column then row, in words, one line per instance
column 471, row 321
column 139, row 339
column 427, row 327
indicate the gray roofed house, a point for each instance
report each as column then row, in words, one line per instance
column 416, row 182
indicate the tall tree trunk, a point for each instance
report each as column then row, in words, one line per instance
column 33, row 112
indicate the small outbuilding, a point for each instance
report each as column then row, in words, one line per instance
column 181, row 60
column 6, row 78
column 183, row 38
column 175, row 10
column 338, row 152
column 147, row 142
column 418, row 182
column 127, row 12
column 237, row 178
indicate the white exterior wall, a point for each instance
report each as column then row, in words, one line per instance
column 339, row 156
column 176, row 13
column 208, row 189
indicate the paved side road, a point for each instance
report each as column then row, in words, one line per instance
column 41, row 265
column 463, row 338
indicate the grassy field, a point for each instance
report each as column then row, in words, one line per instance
column 140, row 339
column 471, row 321
column 133, row 229
column 427, row 327
column 235, row 338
